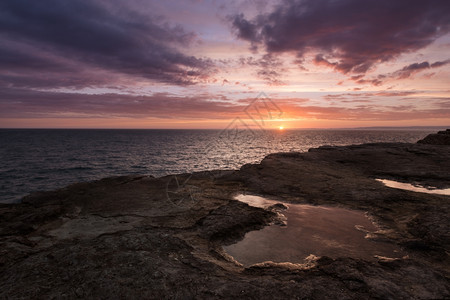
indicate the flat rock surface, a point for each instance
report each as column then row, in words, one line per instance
column 162, row 238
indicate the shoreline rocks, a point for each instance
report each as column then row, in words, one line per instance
column 440, row 138
column 129, row 237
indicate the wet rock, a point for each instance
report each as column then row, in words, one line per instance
column 278, row 207
column 230, row 222
column 123, row 237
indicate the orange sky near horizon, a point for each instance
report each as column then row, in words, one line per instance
column 201, row 64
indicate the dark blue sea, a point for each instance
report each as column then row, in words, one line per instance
column 44, row 159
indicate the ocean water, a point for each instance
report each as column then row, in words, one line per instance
column 45, row 159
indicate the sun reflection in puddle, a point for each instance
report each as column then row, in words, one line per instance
column 318, row 230
column 414, row 188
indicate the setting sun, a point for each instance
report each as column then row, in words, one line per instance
column 281, row 128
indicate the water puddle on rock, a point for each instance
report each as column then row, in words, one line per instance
column 318, row 230
column 414, row 188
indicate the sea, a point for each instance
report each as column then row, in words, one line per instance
column 45, row 159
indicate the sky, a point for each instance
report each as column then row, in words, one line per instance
column 208, row 63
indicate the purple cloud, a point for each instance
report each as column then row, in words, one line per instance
column 94, row 36
column 417, row 67
column 403, row 73
column 23, row 103
column 269, row 68
column 351, row 36
column 28, row 103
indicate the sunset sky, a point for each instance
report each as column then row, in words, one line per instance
column 200, row 64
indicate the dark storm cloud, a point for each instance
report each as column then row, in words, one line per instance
column 16, row 59
column 247, row 30
column 95, row 35
column 350, row 36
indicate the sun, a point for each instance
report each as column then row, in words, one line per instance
column 280, row 127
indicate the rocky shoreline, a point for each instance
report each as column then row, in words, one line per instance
column 162, row 238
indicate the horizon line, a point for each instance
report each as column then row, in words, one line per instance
column 286, row 128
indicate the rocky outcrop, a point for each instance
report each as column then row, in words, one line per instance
column 144, row 237
column 440, row 138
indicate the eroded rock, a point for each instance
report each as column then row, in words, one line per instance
column 123, row 238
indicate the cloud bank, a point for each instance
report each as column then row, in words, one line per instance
column 61, row 38
column 23, row 103
column 350, row 36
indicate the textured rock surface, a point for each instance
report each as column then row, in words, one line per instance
column 440, row 138
column 144, row 237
